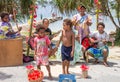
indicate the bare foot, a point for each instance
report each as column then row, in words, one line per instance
column 96, row 61
column 68, row 72
column 106, row 64
column 63, row 72
column 50, row 78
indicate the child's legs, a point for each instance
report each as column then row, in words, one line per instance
column 67, row 67
column 66, row 51
column 39, row 67
column 38, row 62
column 49, row 71
column 63, row 66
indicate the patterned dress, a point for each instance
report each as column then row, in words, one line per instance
column 41, row 47
column 6, row 27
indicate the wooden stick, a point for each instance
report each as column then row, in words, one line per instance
column 28, row 47
column 14, row 15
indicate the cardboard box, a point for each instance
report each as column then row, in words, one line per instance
column 11, row 52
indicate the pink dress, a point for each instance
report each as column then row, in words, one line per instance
column 41, row 45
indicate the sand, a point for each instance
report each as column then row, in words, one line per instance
column 96, row 72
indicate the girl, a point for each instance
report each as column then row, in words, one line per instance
column 6, row 30
column 41, row 43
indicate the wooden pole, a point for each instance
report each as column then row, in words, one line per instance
column 97, row 17
column 28, row 47
column 14, row 14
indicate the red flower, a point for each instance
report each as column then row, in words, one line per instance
column 35, row 75
column 36, row 7
column 84, row 67
column 34, row 20
column 29, row 67
column 96, row 1
column 35, row 16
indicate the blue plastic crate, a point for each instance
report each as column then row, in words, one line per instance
column 67, row 78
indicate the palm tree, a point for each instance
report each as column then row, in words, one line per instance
column 23, row 6
column 68, row 6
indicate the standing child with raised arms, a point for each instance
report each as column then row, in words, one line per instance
column 68, row 44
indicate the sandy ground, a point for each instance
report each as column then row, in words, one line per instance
column 97, row 72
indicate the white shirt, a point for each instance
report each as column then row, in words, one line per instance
column 100, row 37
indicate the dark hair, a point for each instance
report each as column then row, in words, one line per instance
column 68, row 22
column 2, row 15
column 101, row 23
column 45, row 20
column 83, row 7
column 39, row 27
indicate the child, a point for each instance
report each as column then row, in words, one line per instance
column 102, row 50
column 6, row 30
column 68, row 43
column 41, row 43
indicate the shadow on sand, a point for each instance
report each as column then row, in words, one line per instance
column 4, row 76
column 47, row 79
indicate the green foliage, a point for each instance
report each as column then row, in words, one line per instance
column 25, row 6
column 6, row 5
column 22, row 6
column 68, row 6
column 117, row 38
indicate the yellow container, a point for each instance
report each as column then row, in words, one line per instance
column 84, row 73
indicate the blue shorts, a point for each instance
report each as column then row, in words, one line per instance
column 66, row 53
column 98, row 52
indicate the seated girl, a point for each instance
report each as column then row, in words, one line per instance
column 6, row 30
column 102, row 49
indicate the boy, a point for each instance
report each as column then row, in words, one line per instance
column 68, row 43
